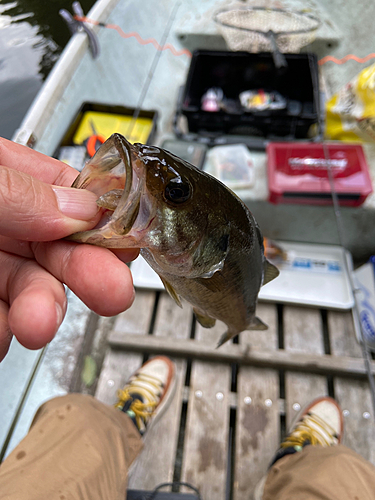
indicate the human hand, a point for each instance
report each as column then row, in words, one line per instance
column 37, row 208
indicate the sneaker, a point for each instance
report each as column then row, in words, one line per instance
column 319, row 424
column 148, row 392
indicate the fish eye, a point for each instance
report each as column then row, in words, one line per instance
column 177, row 191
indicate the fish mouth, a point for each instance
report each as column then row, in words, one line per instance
column 117, row 176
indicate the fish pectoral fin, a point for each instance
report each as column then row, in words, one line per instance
column 216, row 283
column 270, row 272
column 205, row 321
column 172, row 292
column 210, row 255
column 257, row 324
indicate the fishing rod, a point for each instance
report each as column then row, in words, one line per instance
column 78, row 22
column 153, row 67
column 355, row 290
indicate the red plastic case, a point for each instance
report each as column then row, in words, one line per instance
column 297, row 173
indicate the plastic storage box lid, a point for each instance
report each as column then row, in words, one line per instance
column 311, row 274
column 298, row 173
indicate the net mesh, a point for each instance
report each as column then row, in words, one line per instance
column 248, row 29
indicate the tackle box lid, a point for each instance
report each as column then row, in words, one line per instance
column 298, row 173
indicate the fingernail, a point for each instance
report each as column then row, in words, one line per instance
column 59, row 315
column 76, row 203
column 133, row 297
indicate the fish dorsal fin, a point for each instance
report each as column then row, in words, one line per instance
column 172, row 292
column 270, row 272
column 205, row 321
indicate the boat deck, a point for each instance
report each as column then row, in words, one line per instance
column 233, row 404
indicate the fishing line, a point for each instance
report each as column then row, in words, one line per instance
column 354, row 289
column 153, row 67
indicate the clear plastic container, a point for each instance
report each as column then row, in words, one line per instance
column 233, row 165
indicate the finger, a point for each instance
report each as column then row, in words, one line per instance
column 5, row 333
column 36, row 314
column 126, row 255
column 36, row 164
column 37, row 300
column 23, row 249
column 95, row 274
column 33, row 210
column 17, row 247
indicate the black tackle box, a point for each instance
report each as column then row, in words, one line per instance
column 236, row 72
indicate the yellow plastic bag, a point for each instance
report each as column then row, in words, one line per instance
column 350, row 114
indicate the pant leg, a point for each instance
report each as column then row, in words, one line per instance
column 77, row 448
column 319, row 473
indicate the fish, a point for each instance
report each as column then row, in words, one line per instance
column 194, row 232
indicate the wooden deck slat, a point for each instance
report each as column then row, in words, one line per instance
column 171, row 321
column 302, row 334
column 343, row 341
column 243, row 355
column 207, row 426
column 136, row 319
column 353, row 395
column 119, row 365
column 257, row 423
column 359, row 432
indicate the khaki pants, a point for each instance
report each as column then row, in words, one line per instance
column 77, row 448
column 317, row 473
column 81, row 449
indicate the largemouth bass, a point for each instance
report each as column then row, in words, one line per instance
column 192, row 230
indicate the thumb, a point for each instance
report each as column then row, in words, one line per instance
column 35, row 211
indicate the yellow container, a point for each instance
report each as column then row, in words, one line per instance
column 105, row 124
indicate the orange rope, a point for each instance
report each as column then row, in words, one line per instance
column 346, row 58
column 187, row 52
column 139, row 39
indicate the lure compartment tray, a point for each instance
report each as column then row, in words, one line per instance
column 236, row 72
column 98, row 119
column 109, row 118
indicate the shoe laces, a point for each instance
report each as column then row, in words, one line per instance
column 313, row 429
column 149, row 388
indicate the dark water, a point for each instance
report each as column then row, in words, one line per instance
column 32, row 37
